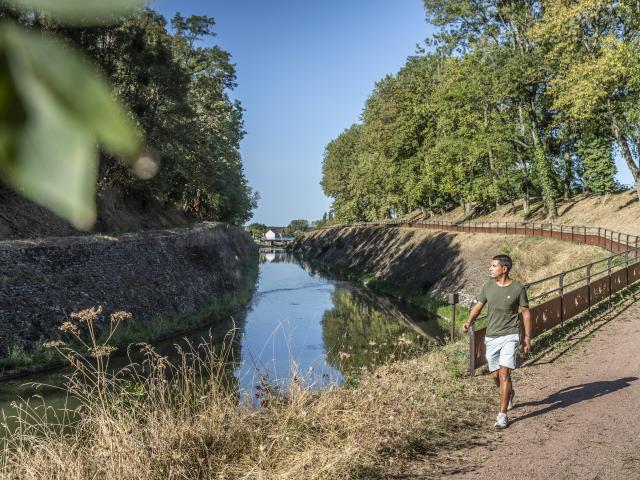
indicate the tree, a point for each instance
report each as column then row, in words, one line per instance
column 593, row 49
column 596, row 154
column 338, row 176
column 518, row 99
column 257, row 230
column 56, row 108
column 298, row 225
column 178, row 92
column 467, row 25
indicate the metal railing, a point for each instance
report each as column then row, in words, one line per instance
column 611, row 240
column 553, row 306
column 576, row 290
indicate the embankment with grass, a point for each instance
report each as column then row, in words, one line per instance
column 171, row 281
column 617, row 211
column 423, row 266
column 162, row 420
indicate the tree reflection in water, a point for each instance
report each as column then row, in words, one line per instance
column 364, row 329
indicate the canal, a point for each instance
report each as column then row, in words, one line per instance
column 299, row 321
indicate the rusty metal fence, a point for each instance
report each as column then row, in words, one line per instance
column 564, row 295
column 602, row 237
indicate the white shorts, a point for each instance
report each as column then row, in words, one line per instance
column 501, row 351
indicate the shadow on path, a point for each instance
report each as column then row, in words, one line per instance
column 575, row 394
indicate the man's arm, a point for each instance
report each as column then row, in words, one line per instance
column 528, row 328
column 473, row 315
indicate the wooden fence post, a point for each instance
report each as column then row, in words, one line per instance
column 589, row 286
column 561, row 286
column 626, row 267
column 609, row 277
column 599, row 242
column 453, row 301
column 472, row 351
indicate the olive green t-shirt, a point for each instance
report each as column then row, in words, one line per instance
column 503, row 304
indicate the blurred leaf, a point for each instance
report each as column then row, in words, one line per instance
column 57, row 163
column 69, row 109
column 79, row 90
column 12, row 110
column 81, row 12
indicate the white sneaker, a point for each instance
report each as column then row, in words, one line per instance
column 502, row 421
column 511, row 397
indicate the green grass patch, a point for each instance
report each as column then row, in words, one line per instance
column 18, row 357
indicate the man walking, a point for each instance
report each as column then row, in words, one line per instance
column 505, row 298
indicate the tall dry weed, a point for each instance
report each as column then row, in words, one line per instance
column 159, row 419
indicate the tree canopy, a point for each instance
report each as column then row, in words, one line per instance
column 515, row 100
column 176, row 93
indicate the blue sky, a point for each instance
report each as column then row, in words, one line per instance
column 305, row 69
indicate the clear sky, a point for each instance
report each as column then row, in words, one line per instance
column 305, row 69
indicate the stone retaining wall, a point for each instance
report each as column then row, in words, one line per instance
column 151, row 273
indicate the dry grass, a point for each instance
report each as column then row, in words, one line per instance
column 534, row 258
column 158, row 420
column 619, row 212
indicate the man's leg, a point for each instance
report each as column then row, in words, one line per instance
column 496, row 377
column 504, row 376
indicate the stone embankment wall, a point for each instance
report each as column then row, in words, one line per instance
column 148, row 274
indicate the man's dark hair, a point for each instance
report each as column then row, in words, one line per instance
column 505, row 261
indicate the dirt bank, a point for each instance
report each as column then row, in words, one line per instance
column 118, row 212
column 152, row 274
column 438, row 263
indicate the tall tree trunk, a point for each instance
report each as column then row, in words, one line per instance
column 494, row 175
column 523, row 164
column 626, row 151
column 543, row 166
column 568, row 175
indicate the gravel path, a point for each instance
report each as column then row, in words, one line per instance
column 577, row 414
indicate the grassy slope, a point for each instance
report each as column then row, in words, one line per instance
column 375, row 429
column 618, row 212
column 397, row 411
column 401, row 410
column 402, row 261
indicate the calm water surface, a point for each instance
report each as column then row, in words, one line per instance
column 298, row 321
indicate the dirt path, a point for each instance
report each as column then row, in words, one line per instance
column 577, row 413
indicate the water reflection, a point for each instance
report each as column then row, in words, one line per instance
column 274, row 255
column 308, row 322
column 364, row 330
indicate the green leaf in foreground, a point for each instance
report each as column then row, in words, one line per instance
column 81, row 12
column 69, row 109
column 12, row 111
